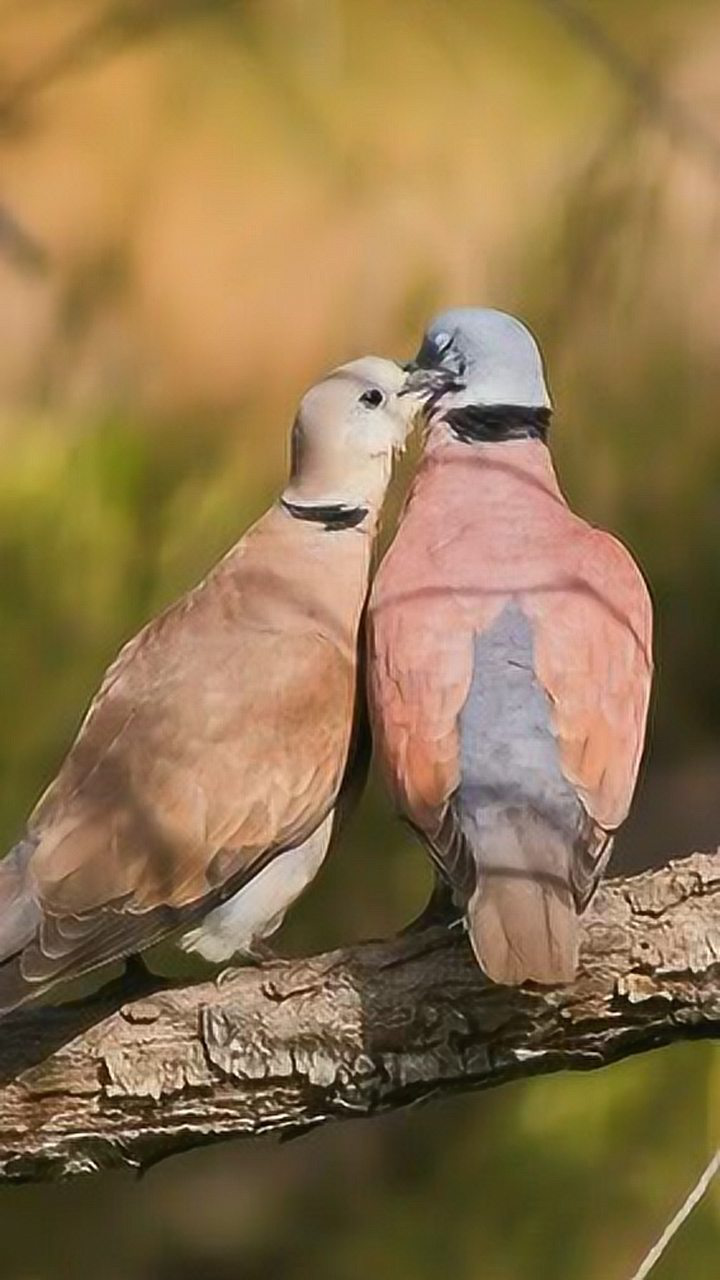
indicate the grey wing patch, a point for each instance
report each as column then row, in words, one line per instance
column 529, row 838
column 517, row 811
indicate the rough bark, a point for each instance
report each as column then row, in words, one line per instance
column 292, row 1044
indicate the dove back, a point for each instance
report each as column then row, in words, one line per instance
column 509, row 682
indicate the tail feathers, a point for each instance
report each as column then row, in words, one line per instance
column 19, row 920
column 19, row 913
column 523, row 929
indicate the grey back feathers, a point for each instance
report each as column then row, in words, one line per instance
column 508, row 752
column 521, row 819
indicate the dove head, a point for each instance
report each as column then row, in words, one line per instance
column 481, row 363
column 347, row 431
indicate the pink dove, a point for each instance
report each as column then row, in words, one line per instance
column 510, row 657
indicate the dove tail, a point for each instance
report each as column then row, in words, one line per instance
column 523, row 928
column 522, row 915
column 19, row 913
column 19, row 919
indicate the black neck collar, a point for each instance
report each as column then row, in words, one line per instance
column 498, row 422
column 331, row 515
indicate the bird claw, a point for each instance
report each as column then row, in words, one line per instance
column 226, row 975
column 258, row 954
column 261, row 953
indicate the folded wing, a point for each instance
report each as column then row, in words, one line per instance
column 207, row 751
column 511, row 726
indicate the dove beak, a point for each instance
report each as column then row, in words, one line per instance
column 429, row 385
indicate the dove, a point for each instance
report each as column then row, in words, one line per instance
column 509, row 657
column 201, row 793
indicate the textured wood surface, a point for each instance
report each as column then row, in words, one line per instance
column 291, row 1044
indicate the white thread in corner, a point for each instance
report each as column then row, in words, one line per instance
column 695, row 1196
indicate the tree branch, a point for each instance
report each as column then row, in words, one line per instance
column 292, row 1044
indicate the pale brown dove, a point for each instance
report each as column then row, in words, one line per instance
column 200, row 794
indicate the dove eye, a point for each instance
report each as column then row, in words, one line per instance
column 442, row 343
column 372, row 398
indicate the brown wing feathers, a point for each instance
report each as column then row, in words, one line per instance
column 222, row 734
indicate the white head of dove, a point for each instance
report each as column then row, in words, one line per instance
column 347, row 431
column 483, row 375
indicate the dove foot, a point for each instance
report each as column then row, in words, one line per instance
column 258, row 954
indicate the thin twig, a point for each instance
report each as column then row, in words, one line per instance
column 684, row 1212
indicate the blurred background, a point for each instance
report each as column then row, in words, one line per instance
column 203, row 205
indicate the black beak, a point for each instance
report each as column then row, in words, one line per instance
column 422, row 378
column 430, row 385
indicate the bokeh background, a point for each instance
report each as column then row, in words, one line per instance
column 203, row 205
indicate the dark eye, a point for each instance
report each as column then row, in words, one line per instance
column 442, row 342
column 373, row 398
